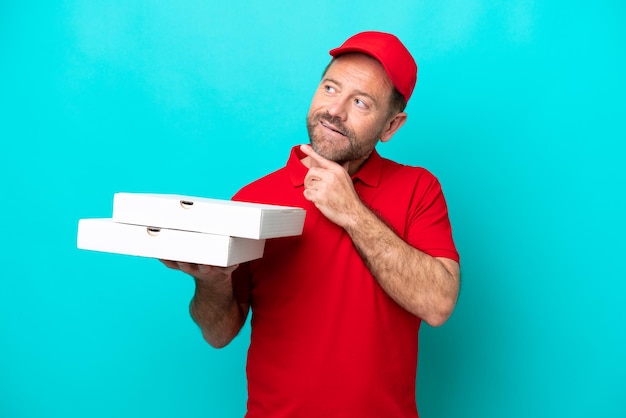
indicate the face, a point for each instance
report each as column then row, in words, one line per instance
column 349, row 112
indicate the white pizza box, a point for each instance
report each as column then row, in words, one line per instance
column 213, row 216
column 109, row 236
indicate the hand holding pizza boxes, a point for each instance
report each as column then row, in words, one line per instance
column 189, row 229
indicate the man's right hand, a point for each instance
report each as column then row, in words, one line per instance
column 214, row 306
column 201, row 271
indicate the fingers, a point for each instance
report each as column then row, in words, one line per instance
column 189, row 268
column 179, row 265
column 316, row 158
column 320, row 168
column 170, row 264
column 321, row 162
column 230, row 269
column 199, row 270
column 311, row 179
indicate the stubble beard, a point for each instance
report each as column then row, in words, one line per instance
column 353, row 150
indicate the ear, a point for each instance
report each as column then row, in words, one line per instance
column 392, row 126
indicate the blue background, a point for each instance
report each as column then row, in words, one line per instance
column 519, row 110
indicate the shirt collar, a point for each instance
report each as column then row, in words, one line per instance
column 369, row 173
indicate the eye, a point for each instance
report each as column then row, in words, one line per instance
column 329, row 89
column 360, row 103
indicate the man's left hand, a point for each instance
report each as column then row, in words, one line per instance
column 329, row 186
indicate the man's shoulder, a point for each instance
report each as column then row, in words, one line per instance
column 396, row 170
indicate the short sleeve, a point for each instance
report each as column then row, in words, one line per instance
column 428, row 225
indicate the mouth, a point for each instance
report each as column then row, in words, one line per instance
column 331, row 127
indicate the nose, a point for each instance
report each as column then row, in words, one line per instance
column 338, row 107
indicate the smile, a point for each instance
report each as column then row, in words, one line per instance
column 331, row 128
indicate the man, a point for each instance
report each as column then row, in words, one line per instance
column 336, row 311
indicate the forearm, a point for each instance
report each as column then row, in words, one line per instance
column 216, row 311
column 423, row 285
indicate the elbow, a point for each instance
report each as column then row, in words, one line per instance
column 216, row 341
column 443, row 303
column 218, row 333
column 219, row 336
column 436, row 320
column 440, row 314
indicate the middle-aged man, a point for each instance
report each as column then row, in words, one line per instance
column 336, row 311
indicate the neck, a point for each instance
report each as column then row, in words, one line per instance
column 353, row 166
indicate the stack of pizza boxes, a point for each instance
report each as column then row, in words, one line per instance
column 189, row 229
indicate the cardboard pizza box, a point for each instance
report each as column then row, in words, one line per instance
column 213, row 216
column 106, row 235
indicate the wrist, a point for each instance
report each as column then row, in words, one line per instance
column 357, row 218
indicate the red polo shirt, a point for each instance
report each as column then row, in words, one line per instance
column 326, row 340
